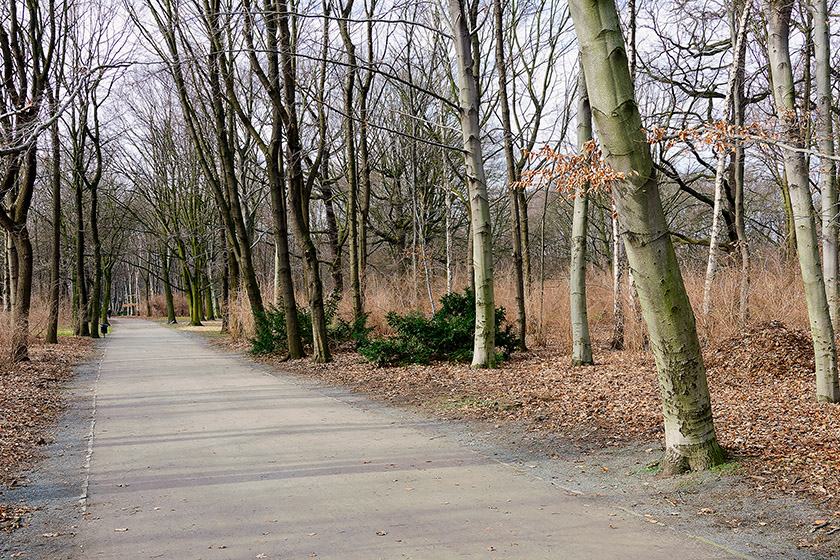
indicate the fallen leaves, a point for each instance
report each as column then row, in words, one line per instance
column 30, row 393
column 12, row 517
column 762, row 385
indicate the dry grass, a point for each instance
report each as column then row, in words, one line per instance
column 776, row 294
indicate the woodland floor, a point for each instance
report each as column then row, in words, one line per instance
column 31, row 400
column 780, row 440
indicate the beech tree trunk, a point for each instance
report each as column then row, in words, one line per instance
column 581, row 343
column 690, row 439
column 825, row 138
column 822, row 333
column 513, row 190
column 484, row 346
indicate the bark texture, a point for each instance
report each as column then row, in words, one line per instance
column 690, row 439
column 581, row 342
column 484, row 347
column 796, row 168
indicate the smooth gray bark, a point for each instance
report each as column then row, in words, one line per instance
column 825, row 139
column 690, row 441
column 581, row 342
column 778, row 13
column 484, row 353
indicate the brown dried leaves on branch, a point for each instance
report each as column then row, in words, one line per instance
column 30, row 400
column 571, row 172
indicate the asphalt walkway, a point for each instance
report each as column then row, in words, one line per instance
column 198, row 454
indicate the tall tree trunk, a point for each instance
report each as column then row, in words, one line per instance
column 364, row 148
column 299, row 192
column 23, row 296
column 513, row 195
column 106, row 292
column 822, row 333
column 96, row 293
column 277, row 182
column 581, row 343
column 714, row 239
column 825, row 135
column 81, row 280
column 352, row 169
column 171, row 319
column 484, row 347
column 690, row 439
column 55, row 251
column 738, row 161
column 619, row 258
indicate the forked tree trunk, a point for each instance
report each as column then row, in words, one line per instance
column 690, row 439
column 822, row 333
column 299, row 190
column 581, row 343
column 484, row 353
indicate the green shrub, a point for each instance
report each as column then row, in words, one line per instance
column 270, row 336
column 447, row 335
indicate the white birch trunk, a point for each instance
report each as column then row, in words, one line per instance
column 714, row 240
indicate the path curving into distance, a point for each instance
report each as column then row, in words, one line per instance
column 198, row 454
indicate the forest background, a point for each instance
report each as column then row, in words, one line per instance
column 344, row 160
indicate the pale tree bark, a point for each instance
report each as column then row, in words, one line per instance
column 825, row 139
column 581, row 342
column 513, row 194
column 714, row 239
column 738, row 163
column 690, row 439
column 352, row 168
column 484, row 354
column 778, row 13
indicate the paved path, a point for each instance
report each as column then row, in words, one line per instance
column 201, row 455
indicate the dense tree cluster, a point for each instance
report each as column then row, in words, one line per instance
column 283, row 151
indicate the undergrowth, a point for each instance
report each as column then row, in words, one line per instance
column 446, row 335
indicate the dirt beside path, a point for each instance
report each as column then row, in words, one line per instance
column 609, row 475
column 598, row 430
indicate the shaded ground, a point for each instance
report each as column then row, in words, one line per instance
column 44, row 424
column 782, row 442
column 572, row 426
